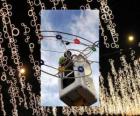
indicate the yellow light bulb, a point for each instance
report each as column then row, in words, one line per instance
column 131, row 38
column 22, row 71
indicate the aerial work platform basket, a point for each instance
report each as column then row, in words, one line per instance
column 78, row 90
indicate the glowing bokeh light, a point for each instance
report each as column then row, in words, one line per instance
column 22, row 71
column 131, row 38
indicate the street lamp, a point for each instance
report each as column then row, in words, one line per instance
column 131, row 38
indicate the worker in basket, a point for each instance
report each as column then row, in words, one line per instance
column 66, row 64
column 66, row 68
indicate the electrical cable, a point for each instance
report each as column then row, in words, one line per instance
column 69, row 34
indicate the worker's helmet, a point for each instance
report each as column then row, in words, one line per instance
column 67, row 54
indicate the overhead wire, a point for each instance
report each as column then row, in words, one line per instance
column 70, row 34
column 51, row 51
column 68, row 41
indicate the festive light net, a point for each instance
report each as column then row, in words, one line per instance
column 72, row 46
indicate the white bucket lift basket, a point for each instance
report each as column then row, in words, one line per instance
column 78, row 88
